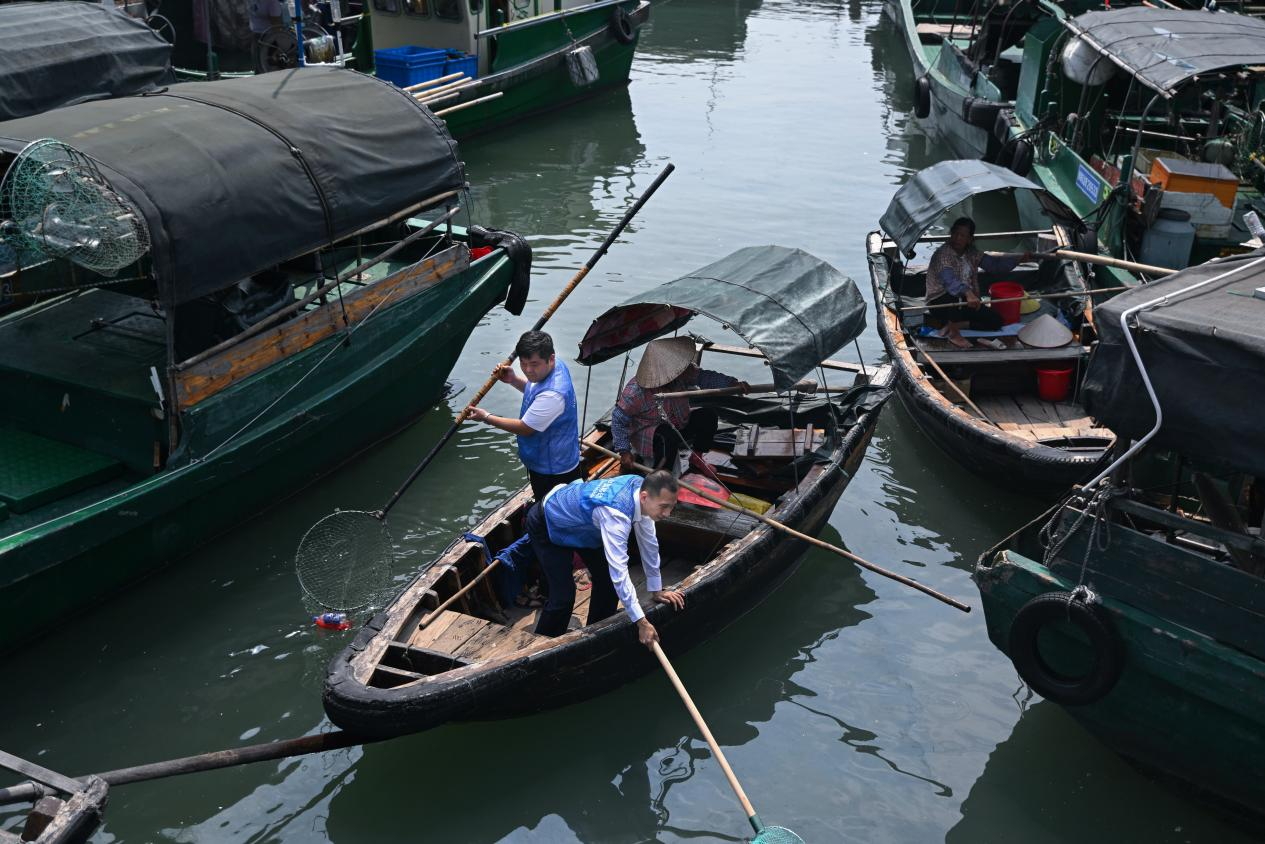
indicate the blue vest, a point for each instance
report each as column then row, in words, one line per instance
column 569, row 511
column 557, row 448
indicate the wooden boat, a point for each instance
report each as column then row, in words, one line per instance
column 478, row 661
column 1164, row 657
column 990, row 418
column 138, row 415
column 1167, row 86
column 67, row 811
column 524, row 53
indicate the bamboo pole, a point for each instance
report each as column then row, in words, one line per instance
column 750, row 389
column 467, row 105
column 444, row 89
column 946, row 379
column 1093, row 292
column 1087, row 258
column 434, row 101
column 811, row 540
column 432, row 82
column 430, row 616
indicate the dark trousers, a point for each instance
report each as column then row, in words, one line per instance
column 698, row 434
column 982, row 318
column 541, row 484
column 555, row 561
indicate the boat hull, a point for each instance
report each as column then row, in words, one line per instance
column 606, row 655
column 383, row 379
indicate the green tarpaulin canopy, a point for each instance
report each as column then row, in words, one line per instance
column 795, row 308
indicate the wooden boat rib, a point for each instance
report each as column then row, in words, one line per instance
column 472, row 663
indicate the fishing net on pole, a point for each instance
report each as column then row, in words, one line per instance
column 776, row 835
column 344, row 560
column 59, row 205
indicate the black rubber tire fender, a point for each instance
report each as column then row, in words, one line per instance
column 621, row 26
column 981, row 113
column 922, row 97
column 1001, row 126
column 1021, row 162
column 1093, row 621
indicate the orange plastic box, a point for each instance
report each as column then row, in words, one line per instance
column 1182, row 176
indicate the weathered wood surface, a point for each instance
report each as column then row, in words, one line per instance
column 200, row 382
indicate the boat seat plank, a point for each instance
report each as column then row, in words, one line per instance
column 35, row 471
column 940, row 31
column 496, row 641
column 992, row 357
column 722, row 522
column 448, row 632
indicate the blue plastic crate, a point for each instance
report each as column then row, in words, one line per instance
column 462, row 62
column 406, row 66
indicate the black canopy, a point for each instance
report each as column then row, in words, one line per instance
column 795, row 308
column 56, row 54
column 932, row 191
column 236, row 176
column 1163, row 48
column 1204, row 352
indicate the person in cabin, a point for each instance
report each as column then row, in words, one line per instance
column 596, row 520
column 548, row 427
column 953, row 278
column 651, row 430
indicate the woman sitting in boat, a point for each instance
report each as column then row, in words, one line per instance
column 953, row 278
column 596, row 519
column 651, row 430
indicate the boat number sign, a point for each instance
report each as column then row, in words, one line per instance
column 1088, row 182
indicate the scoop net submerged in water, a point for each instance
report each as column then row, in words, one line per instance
column 344, row 560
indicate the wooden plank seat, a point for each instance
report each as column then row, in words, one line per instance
column 35, row 471
column 726, row 523
column 1034, row 419
column 468, row 638
column 985, row 357
column 934, row 33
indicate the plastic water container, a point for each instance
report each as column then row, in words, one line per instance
column 1006, row 290
column 407, row 66
column 458, row 61
column 1054, row 384
column 1167, row 243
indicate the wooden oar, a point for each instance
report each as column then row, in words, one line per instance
column 451, row 109
column 752, row 817
column 1092, row 292
column 811, row 540
column 509, row 361
column 750, row 389
column 946, row 379
column 1087, row 258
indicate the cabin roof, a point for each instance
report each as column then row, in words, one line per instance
column 795, row 308
column 1164, row 48
column 56, row 54
column 1204, row 352
column 236, row 176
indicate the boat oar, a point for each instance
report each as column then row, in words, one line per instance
column 1068, row 295
column 811, row 540
column 348, row 553
column 946, row 379
column 1088, row 258
column 433, row 614
column 763, row 834
column 750, row 389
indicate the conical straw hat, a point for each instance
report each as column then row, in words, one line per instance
column 663, row 360
column 1045, row 332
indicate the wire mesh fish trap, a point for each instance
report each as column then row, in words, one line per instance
column 58, row 204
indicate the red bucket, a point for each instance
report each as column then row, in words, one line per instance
column 1006, row 290
column 1054, row 384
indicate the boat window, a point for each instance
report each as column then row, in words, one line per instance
column 416, row 8
column 449, row 10
column 476, row 6
column 390, row 7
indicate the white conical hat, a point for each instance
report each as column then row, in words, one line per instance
column 1045, row 332
column 663, row 360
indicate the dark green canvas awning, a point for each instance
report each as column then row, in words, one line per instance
column 795, row 308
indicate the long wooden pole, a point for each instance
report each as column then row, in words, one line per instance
column 801, row 387
column 459, row 107
column 1092, row 292
column 1087, row 258
column 708, row 737
column 509, row 361
column 430, row 83
column 430, row 616
column 811, row 540
column 952, row 384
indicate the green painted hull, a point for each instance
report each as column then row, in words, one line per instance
column 1186, row 706
column 543, row 83
column 388, row 374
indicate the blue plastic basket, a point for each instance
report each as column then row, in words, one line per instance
column 406, row 66
column 462, row 62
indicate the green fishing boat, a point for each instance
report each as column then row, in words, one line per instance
column 482, row 65
column 1147, row 122
column 240, row 297
column 1138, row 603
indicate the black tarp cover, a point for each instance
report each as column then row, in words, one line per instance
column 1163, row 48
column 56, row 54
column 1205, row 355
column 795, row 308
column 933, row 190
column 236, row 176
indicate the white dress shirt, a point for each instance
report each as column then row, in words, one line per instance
column 615, row 528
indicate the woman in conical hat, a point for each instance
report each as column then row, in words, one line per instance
column 651, row 430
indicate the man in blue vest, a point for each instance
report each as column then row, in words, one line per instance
column 548, row 426
column 597, row 519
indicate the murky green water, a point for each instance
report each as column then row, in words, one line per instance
column 851, row 708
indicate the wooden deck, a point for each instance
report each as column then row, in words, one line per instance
column 1031, row 418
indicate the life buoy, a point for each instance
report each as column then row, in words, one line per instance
column 621, row 26
column 1021, row 162
column 1092, row 620
column 981, row 113
column 922, row 97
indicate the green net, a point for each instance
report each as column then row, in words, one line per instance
column 57, row 204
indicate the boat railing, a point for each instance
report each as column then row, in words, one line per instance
column 549, row 17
